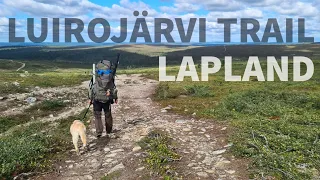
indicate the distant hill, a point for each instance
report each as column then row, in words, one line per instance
column 147, row 55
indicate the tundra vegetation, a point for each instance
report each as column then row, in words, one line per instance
column 274, row 124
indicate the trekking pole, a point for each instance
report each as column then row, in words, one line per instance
column 93, row 73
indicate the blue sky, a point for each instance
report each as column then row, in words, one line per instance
column 113, row 10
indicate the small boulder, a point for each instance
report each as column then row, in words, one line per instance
column 31, row 100
column 116, row 168
column 202, row 174
column 16, row 84
column 137, row 148
column 218, row 152
column 180, row 121
column 164, row 111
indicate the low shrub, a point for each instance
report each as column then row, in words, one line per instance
column 199, row 90
column 273, row 128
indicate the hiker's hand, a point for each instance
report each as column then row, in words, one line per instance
column 89, row 102
column 116, row 101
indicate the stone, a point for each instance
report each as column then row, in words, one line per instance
column 140, row 169
column 106, row 149
column 164, row 111
column 1, row 98
column 186, row 129
column 137, row 148
column 89, row 177
column 202, row 174
column 167, row 108
column 109, row 160
column 31, row 100
column 16, row 84
column 192, row 164
column 117, row 150
column 223, row 129
column 51, row 116
column 96, row 153
column 228, row 145
column 210, row 171
column 180, row 121
column 112, row 136
column 218, row 152
column 207, row 160
column 111, row 155
column 70, row 166
column 221, row 164
column 182, row 96
column 231, row 172
column 37, row 88
column 203, row 130
column 116, row 168
column 94, row 161
column 194, row 114
column 91, row 145
column 66, row 101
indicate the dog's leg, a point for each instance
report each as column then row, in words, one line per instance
column 75, row 138
column 83, row 139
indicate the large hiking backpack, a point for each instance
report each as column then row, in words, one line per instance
column 104, row 89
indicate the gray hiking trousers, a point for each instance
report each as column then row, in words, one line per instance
column 97, row 108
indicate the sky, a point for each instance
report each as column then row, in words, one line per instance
column 113, row 10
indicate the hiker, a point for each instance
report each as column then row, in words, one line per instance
column 103, row 94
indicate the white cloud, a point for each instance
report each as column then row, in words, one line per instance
column 62, row 8
column 5, row 11
column 180, row 8
column 4, row 21
column 246, row 13
column 210, row 5
column 302, row 9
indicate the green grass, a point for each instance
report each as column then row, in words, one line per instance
column 159, row 148
column 39, row 110
column 6, row 122
column 34, row 148
column 278, row 130
column 47, row 106
column 50, row 78
column 10, row 88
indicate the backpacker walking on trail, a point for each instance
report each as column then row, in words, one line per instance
column 103, row 93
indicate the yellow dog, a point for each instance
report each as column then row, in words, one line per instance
column 78, row 129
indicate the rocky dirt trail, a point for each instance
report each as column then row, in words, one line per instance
column 201, row 144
